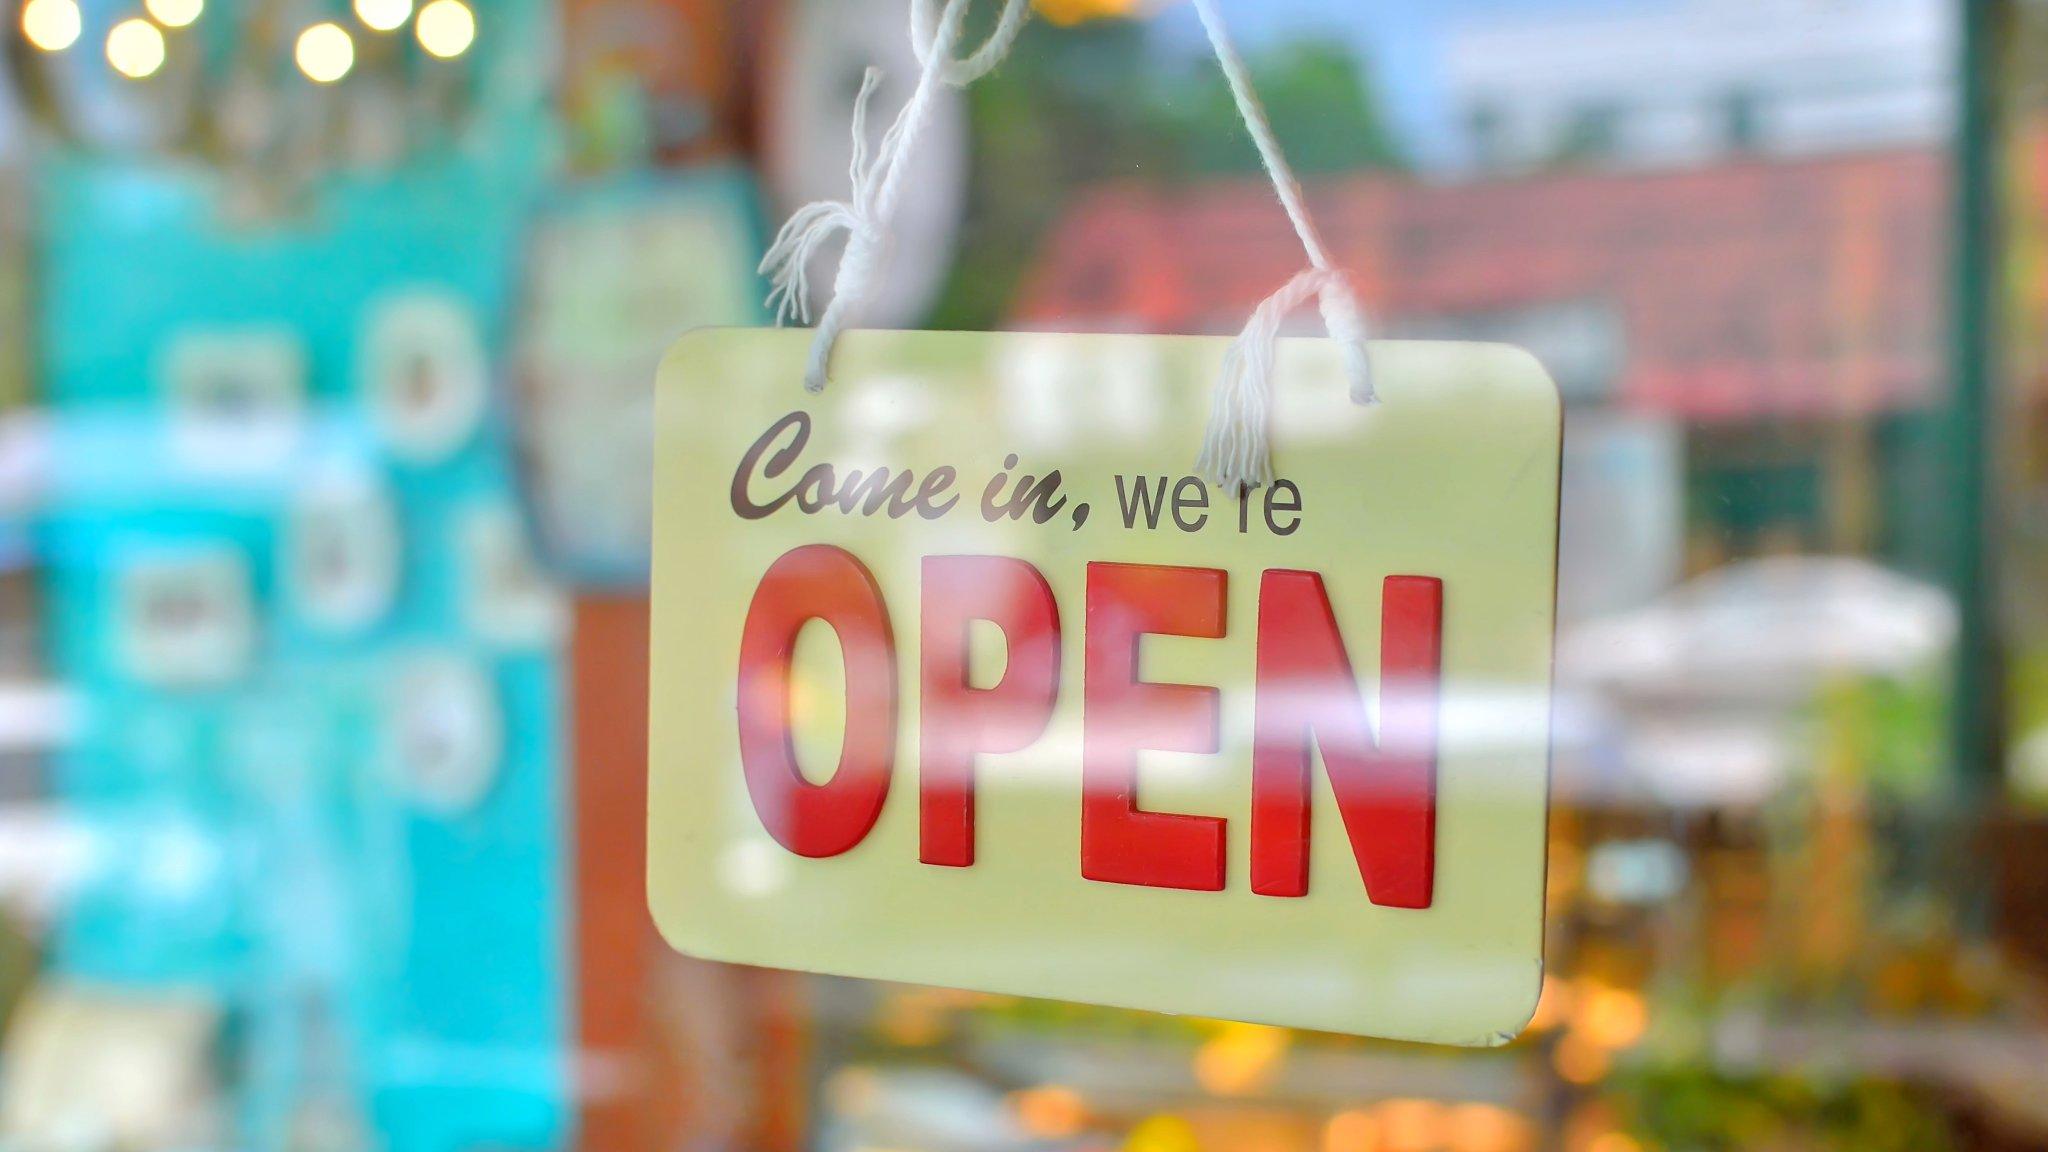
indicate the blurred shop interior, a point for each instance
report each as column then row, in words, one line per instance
column 327, row 337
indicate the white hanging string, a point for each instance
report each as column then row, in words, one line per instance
column 1236, row 452
column 877, row 179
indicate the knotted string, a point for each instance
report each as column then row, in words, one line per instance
column 877, row 179
column 1237, row 450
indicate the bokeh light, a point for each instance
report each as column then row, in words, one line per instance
column 1050, row 1112
column 1487, row 1128
column 135, row 48
column 383, row 15
column 51, row 25
column 446, row 28
column 174, row 13
column 1410, row 1125
column 1068, row 12
column 1611, row 1017
column 325, row 53
column 1241, row 1058
column 1163, row 1133
column 1580, row 1061
column 1353, row 1131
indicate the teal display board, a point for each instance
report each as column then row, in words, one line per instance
column 322, row 732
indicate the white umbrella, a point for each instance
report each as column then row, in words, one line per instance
column 1765, row 630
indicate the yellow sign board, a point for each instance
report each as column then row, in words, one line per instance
column 961, row 678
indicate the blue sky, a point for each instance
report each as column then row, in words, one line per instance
column 1400, row 38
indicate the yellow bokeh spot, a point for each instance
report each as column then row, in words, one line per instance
column 325, row 53
column 1163, row 1134
column 1579, row 1060
column 135, row 48
column 1066, row 12
column 174, row 13
column 1239, row 1059
column 1050, row 1112
column 446, row 28
column 913, row 1021
column 1613, row 1142
column 383, row 15
column 51, row 25
column 1611, row 1017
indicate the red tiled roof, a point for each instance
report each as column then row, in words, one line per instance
column 1751, row 288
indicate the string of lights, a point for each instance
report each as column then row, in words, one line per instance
column 137, row 47
column 272, row 93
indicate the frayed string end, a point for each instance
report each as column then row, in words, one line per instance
column 806, row 233
column 1237, row 452
column 877, row 174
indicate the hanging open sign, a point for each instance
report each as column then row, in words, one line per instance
column 960, row 678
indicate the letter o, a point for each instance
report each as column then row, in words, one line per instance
column 819, row 582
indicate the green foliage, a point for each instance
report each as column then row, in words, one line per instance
column 1890, row 730
column 1317, row 100
column 1081, row 106
column 18, row 962
column 1693, row 1108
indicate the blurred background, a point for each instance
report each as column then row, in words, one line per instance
column 327, row 340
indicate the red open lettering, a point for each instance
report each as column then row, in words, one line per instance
column 1120, row 843
column 1307, row 698
column 1385, row 789
column 957, row 721
column 823, row 583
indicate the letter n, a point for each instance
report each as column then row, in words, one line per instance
column 1308, row 696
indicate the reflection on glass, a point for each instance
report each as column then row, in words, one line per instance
column 321, row 816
